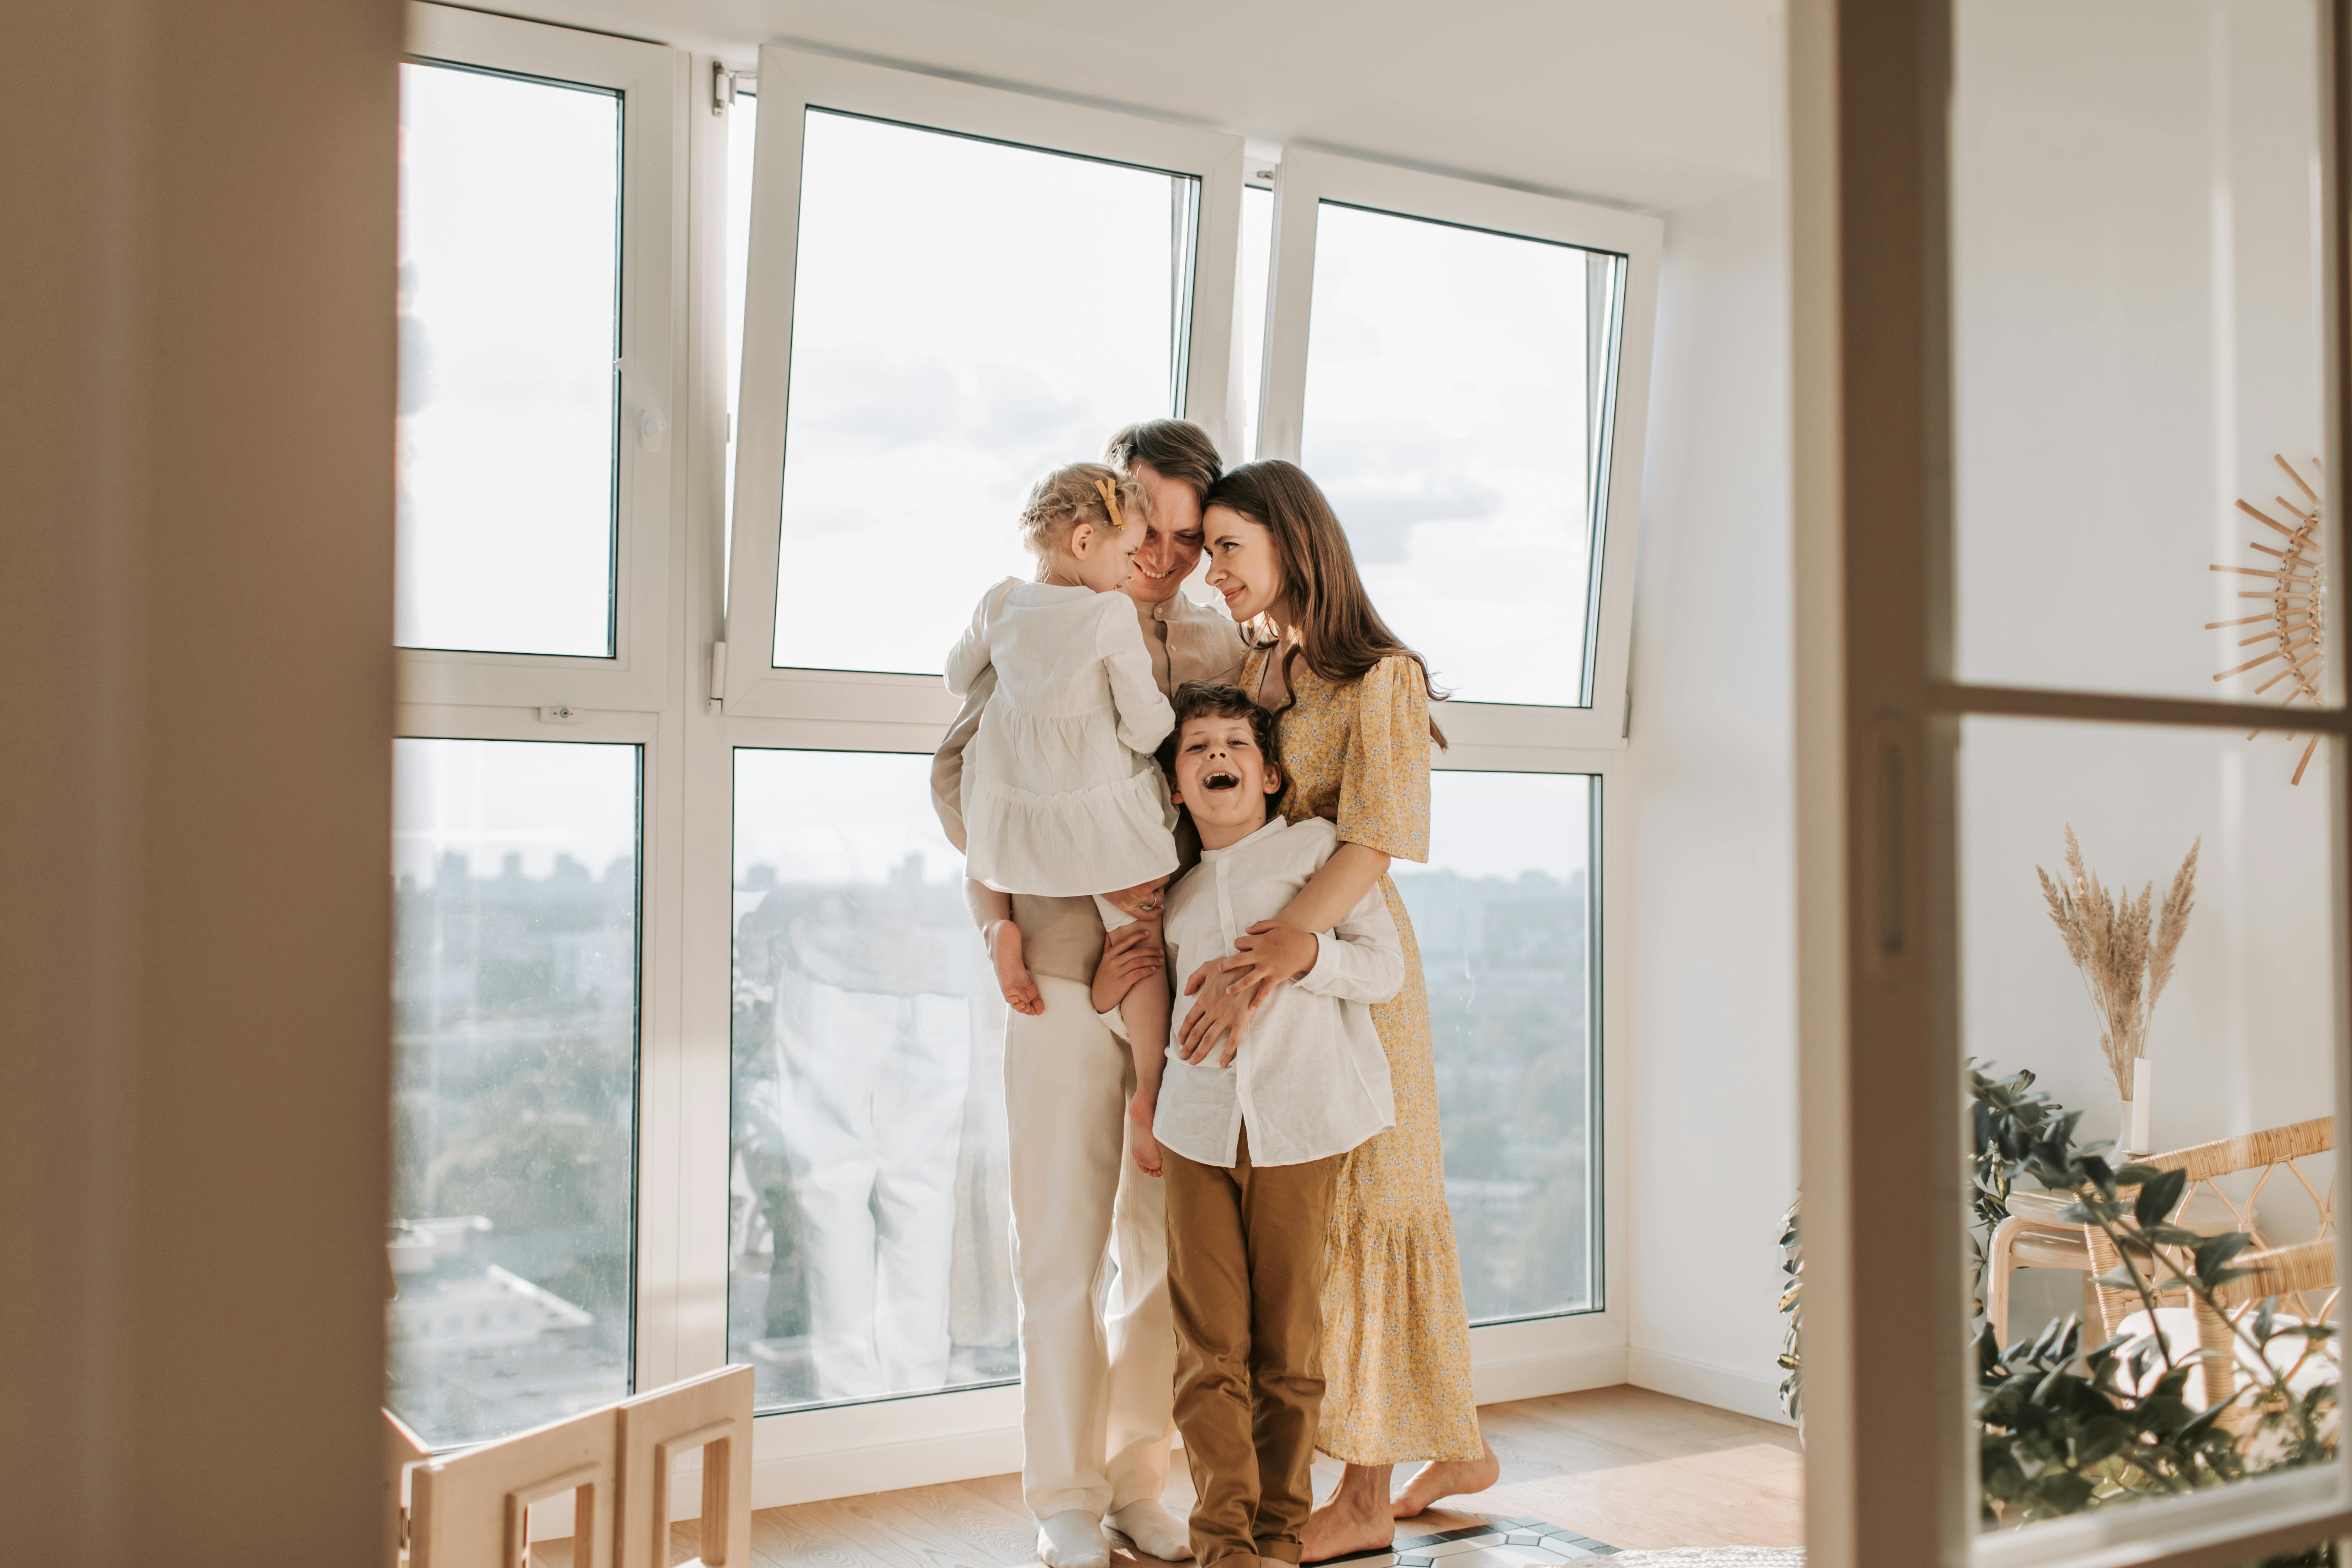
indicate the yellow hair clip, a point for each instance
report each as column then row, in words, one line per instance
column 1110, row 503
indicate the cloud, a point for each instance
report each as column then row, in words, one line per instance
column 1018, row 414
column 857, row 393
column 1385, row 477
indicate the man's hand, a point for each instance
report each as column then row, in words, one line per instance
column 1129, row 953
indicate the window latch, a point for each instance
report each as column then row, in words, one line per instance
column 725, row 83
column 651, row 425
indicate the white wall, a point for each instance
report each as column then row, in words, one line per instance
column 1713, row 1161
column 1651, row 104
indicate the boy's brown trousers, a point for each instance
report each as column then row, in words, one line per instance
column 1245, row 1282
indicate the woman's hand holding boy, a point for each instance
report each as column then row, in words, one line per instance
column 1268, row 953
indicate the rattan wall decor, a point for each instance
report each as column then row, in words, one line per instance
column 2295, row 626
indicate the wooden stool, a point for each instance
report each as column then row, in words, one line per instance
column 465, row 1501
column 2034, row 1237
column 712, row 1413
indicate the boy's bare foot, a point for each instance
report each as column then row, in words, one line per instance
column 1139, row 1141
column 1012, row 977
column 1339, row 1528
column 1445, row 1478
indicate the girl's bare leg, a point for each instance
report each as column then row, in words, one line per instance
column 1144, row 1011
column 1356, row 1519
column 1445, row 1478
column 991, row 912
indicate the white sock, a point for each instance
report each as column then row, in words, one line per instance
column 1073, row 1538
column 1155, row 1532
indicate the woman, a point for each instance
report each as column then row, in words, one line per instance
column 1353, row 703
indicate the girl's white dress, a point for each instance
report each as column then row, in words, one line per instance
column 1061, row 795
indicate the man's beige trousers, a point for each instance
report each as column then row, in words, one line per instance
column 1098, row 1383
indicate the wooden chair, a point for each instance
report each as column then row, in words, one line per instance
column 2304, row 1276
column 712, row 1413
column 2034, row 1237
column 2205, row 1206
column 403, row 1450
column 463, row 1503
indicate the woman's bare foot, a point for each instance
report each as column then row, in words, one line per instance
column 1448, row 1478
column 1012, row 977
column 1139, row 1141
column 1355, row 1520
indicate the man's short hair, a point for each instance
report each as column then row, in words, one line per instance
column 1177, row 448
column 1216, row 699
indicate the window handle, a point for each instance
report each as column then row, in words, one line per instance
column 651, row 425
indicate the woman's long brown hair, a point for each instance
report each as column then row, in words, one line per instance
column 1340, row 635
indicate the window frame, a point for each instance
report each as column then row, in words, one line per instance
column 650, row 81
column 1891, row 1473
column 655, row 693
column 829, row 1451
column 1303, row 181
column 792, row 82
column 637, row 697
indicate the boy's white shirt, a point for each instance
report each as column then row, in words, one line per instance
column 1311, row 1078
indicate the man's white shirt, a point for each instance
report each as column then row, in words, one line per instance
column 1311, row 1078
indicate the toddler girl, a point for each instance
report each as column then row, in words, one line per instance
column 1061, row 795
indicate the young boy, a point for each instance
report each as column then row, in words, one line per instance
column 1252, row 1151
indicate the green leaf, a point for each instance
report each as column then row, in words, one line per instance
column 2214, row 1254
column 2158, row 1197
column 2163, row 1234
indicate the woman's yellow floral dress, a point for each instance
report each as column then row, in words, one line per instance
column 1396, row 1338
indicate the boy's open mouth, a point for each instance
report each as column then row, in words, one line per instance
column 1222, row 780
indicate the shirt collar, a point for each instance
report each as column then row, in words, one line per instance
column 1274, row 826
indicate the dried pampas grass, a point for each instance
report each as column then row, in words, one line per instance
column 2124, row 947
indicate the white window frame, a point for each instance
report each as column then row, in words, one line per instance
column 650, row 81
column 1303, row 181
column 1892, row 1472
column 656, row 692
column 827, row 1451
column 637, row 697
column 792, row 82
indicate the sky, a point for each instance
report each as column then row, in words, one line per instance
column 509, row 266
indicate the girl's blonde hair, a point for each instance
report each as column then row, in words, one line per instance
column 1074, row 494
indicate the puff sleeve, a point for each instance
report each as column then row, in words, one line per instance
column 971, row 654
column 1384, row 773
column 1144, row 716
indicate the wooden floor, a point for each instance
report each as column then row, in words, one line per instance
column 1621, row 1464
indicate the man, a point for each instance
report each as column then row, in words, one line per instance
column 1097, row 1383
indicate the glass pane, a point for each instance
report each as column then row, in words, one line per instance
column 868, row 1218
column 967, row 315
column 1450, row 418
column 514, row 1053
column 2137, row 341
column 1257, row 256
column 2215, row 1023
column 510, row 312
column 1503, row 913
